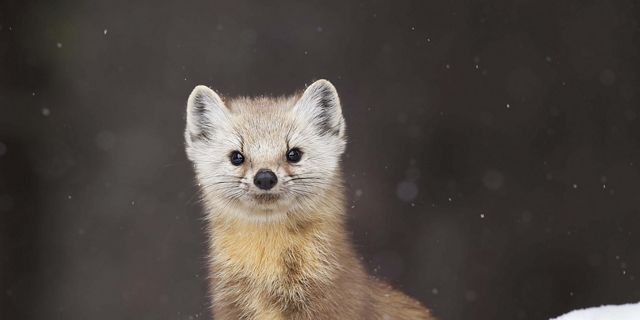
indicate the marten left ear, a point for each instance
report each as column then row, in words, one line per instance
column 320, row 106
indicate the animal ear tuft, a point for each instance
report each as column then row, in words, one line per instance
column 320, row 105
column 205, row 112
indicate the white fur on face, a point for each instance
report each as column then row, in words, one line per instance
column 264, row 130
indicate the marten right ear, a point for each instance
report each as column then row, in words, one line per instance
column 205, row 113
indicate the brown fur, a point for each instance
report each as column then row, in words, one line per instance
column 297, row 270
column 282, row 253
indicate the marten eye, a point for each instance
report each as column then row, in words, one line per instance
column 294, row 155
column 236, row 158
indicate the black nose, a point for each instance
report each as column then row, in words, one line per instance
column 265, row 179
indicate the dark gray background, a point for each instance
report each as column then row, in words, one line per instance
column 492, row 165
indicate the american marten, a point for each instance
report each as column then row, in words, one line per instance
column 269, row 172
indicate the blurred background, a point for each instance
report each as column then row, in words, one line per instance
column 492, row 168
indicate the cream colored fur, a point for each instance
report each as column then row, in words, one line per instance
column 288, row 257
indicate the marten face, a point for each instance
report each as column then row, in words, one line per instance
column 265, row 157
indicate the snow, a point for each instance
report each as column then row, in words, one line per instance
column 620, row 312
column 493, row 180
column 407, row 191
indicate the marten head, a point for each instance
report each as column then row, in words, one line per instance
column 265, row 158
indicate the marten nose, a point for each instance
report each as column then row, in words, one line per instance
column 265, row 179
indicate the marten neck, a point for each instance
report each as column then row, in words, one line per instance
column 314, row 238
column 273, row 269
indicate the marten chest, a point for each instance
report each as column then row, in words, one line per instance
column 269, row 273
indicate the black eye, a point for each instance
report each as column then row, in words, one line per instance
column 294, row 155
column 236, row 158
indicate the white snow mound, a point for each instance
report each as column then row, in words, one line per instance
column 621, row 312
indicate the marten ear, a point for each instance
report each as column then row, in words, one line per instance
column 205, row 113
column 320, row 106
